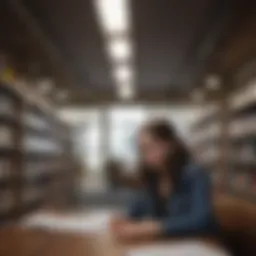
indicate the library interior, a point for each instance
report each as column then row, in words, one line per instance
column 128, row 127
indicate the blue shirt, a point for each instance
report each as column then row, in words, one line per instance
column 189, row 209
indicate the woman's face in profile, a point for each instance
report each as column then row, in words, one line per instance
column 154, row 151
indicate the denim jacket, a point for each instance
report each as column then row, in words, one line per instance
column 189, row 209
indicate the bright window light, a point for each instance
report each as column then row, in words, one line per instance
column 125, row 91
column 119, row 49
column 123, row 74
column 113, row 15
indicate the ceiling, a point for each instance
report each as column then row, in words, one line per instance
column 175, row 45
column 167, row 40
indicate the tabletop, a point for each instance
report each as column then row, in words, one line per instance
column 35, row 242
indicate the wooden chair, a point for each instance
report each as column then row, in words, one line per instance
column 238, row 224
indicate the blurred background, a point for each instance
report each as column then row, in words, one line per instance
column 79, row 77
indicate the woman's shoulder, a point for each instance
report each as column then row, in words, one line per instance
column 194, row 170
column 195, row 176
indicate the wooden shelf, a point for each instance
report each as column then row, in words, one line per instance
column 8, row 120
column 237, row 141
column 206, row 117
column 9, row 91
column 5, row 183
column 245, row 138
column 43, row 133
column 48, row 165
column 243, row 166
column 248, row 109
column 30, row 206
column 45, row 175
column 8, row 151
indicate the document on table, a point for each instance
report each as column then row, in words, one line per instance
column 93, row 222
column 191, row 248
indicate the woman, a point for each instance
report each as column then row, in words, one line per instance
column 176, row 198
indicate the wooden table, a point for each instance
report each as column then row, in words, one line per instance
column 24, row 242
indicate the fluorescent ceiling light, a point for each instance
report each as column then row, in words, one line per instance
column 122, row 74
column 125, row 91
column 119, row 49
column 113, row 15
column 114, row 20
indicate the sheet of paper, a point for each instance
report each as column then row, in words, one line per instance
column 92, row 222
column 190, row 248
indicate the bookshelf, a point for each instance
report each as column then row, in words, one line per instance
column 229, row 151
column 36, row 164
column 9, row 151
column 242, row 151
column 206, row 136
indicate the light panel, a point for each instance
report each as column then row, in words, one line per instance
column 112, row 15
column 114, row 21
column 122, row 73
column 119, row 49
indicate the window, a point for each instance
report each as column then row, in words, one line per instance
column 123, row 125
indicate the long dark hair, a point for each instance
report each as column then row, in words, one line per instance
column 176, row 160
